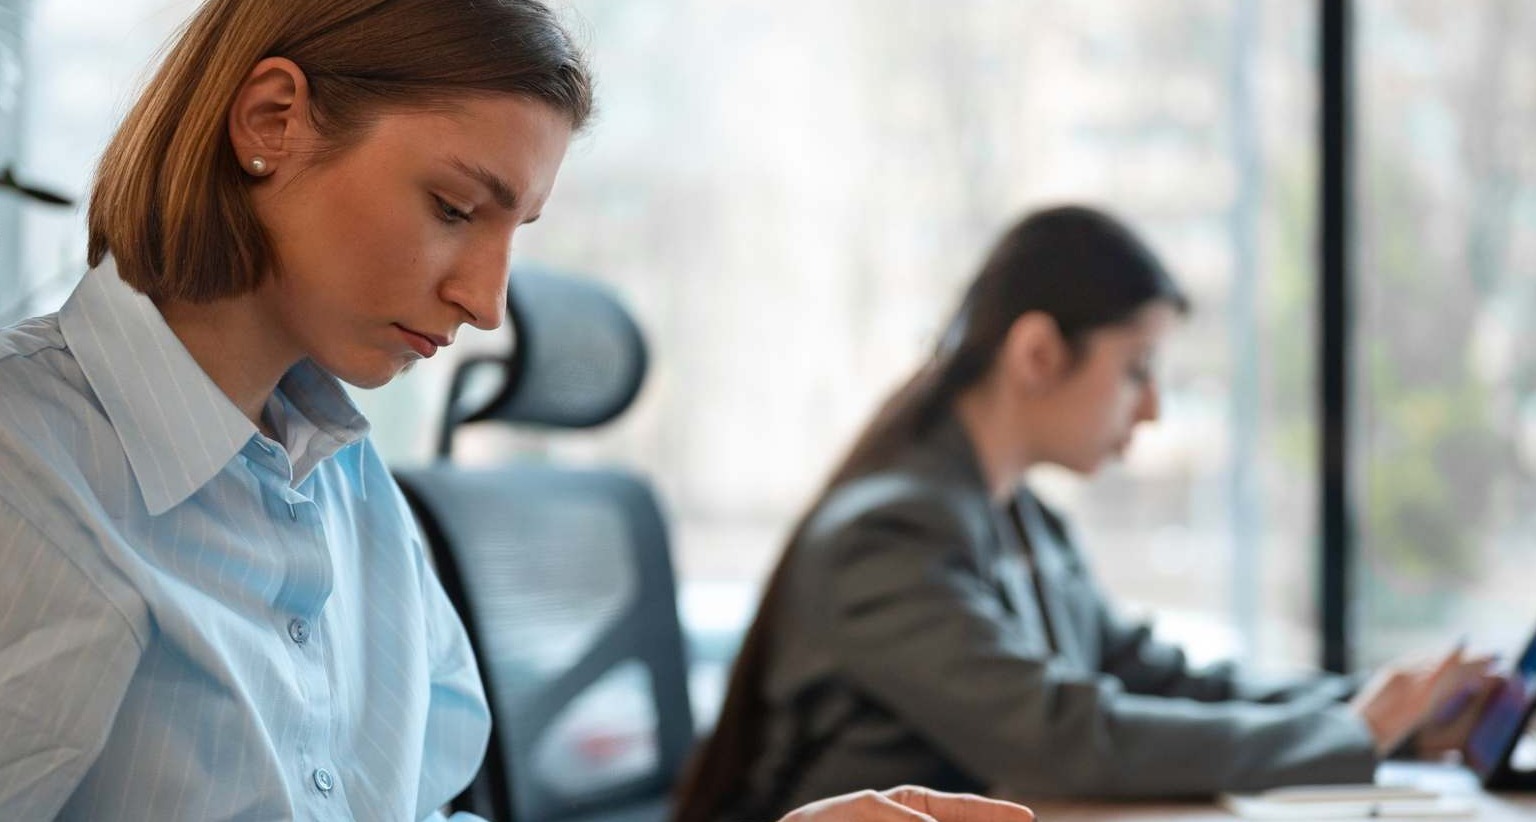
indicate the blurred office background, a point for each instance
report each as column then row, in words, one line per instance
column 791, row 193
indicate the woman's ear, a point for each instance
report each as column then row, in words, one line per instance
column 269, row 120
column 1035, row 355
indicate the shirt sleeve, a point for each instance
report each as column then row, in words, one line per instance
column 67, row 655
column 458, row 720
column 915, row 625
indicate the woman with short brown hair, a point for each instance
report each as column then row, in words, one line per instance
column 214, row 603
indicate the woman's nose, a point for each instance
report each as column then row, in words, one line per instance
column 479, row 286
column 1151, row 404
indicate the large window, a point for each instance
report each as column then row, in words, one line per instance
column 1446, row 230
column 79, row 63
column 792, row 195
column 12, row 25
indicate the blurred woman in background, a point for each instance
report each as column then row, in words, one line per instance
column 932, row 621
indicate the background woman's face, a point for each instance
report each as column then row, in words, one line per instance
column 386, row 249
column 1111, row 390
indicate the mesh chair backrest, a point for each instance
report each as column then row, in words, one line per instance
column 578, row 359
column 568, row 586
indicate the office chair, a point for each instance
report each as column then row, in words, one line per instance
column 562, row 575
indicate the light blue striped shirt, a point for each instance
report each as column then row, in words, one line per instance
column 198, row 622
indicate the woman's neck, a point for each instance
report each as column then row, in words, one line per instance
column 996, row 428
column 236, row 345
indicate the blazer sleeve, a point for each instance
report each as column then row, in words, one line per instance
column 1144, row 665
column 914, row 624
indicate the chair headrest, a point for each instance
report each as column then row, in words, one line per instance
column 577, row 359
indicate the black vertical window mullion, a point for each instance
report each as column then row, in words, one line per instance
column 1337, row 543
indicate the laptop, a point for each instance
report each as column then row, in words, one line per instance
column 1501, row 749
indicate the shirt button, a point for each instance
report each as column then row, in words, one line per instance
column 298, row 630
column 293, row 512
column 323, row 780
column 266, row 448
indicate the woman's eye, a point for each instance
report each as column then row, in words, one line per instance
column 449, row 214
column 1141, row 371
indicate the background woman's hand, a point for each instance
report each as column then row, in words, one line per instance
column 910, row 804
column 1446, row 732
column 1400, row 698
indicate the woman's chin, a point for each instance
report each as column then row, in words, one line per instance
column 1091, row 466
column 370, row 381
column 370, row 374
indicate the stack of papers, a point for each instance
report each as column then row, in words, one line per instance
column 1347, row 802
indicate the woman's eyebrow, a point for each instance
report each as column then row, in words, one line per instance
column 501, row 192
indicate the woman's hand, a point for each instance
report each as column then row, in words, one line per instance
column 910, row 804
column 1400, row 698
column 1446, row 732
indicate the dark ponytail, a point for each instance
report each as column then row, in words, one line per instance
column 1075, row 264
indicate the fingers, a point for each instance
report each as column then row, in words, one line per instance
column 1482, row 661
column 1445, row 690
column 1457, row 679
column 1473, row 667
column 888, row 808
column 1459, row 675
column 1435, row 695
column 1428, row 664
column 1442, row 681
column 1452, row 671
column 864, row 806
column 1447, row 732
column 1451, row 661
column 910, row 804
column 1455, row 690
column 950, row 807
column 1397, row 700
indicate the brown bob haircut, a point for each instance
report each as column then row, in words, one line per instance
column 171, row 202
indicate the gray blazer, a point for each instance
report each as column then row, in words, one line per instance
column 910, row 646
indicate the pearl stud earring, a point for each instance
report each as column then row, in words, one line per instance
column 258, row 165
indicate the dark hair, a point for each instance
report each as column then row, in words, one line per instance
column 1079, row 266
column 171, row 203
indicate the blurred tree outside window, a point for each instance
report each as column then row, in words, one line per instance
column 791, row 194
column 80, row 62
column 1446, row 198
column 13, row 22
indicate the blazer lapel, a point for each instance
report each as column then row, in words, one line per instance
column 1014, row 577
column 949, row 457
column 1056, row 582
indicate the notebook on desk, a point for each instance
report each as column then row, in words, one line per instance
column 1347, row 802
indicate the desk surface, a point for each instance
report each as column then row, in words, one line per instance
column 1502, row 807
column 1492, row 809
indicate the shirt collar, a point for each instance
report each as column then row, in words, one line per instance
column 177, row 427
column 324, row 419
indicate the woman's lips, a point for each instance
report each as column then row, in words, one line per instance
column 421, row 343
